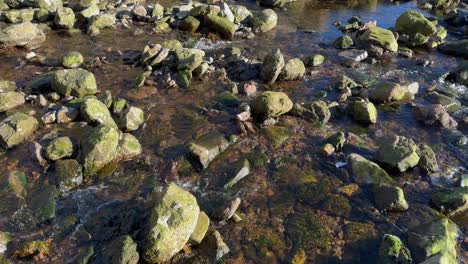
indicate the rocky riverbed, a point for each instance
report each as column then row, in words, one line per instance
column 233, row 131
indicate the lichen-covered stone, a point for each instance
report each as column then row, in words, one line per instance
column 428, row 159
column 129, row 146
column 389, row 198
column 392, row 250
column 19, row 15
column 385, row 92
column 199, row 233
column 271, row 104
column 379, row 37
column 294, row 69
column 122, row 250
column 75, row 82
column 16, row 128
column 264, row 21
column 220, row 25
column 98, row 22
column 205, row 148
column 363, row 111
column 95, row 112
column 189, row 59
column 189, row 24
column 64, row 18
column 59, row 148
column 132, row 118
column 272, row 65
column 398, row 152
column 99, row 149
column 343, row 42
column 314, row 60
column 68, row 174
column 73, row 59
column 172, row 221
column 367, row 172
column 451, row 201
column 10, row 100
column 25, row 34
column 412, row 22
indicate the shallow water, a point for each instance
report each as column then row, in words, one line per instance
column 293, row 185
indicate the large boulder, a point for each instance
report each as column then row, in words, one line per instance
column 380, row 37
column 220, row 25
column 264, row 21
column 272, row 65
column 96, row 112
column 398, row 152
column 365, row 171
column 271, row 104
column 363, row 111
column 293, row 70
column 10, row 100
column 98, row 149
column 16, row 128
column 456, row 48
column 75, row 82
column 207, row 147
column 434, row 114
column 24, row 34
column 386, row 92
column 173, row 219
column 413, row 22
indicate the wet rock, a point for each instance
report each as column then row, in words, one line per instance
column 451, row 201
column 363, row 112
column 132, row 119
column 314, row 60
column 95, row 113
column 241, row 13
column 380, row 37
column 353, row 55
column 16, row 128
column 221, row 247
column 343, row 42
column 344, row 82
column 66, row 114
column 86, row 14
column 294, row 69
column 122, row 250
column 367, row 172
column 43, row 204
column 220, row 25
column 456, row 48
column 64, row 18
column 19, row 15
column 4, row 241
column 392, row 250
column 139, row 11
column 272, row 65
column 434, row 237
column 129, row 146
column 202, row 69
column 398, row 152
column 277, row 135
column 172, row 221
column 68, row 174
column 434, row 114
column 320, row 112
column 72, row 60
column 450, row 104
column 98, row 22
column 337, row 140
column 24, row 34
column 118, row 106
column 385, row 92
column 37, row 249
column 99, row 149
column 417, row 27
column 59, row 148
column 205, row 148
column 189, row 24
column 10, row 100
column 428, row 160
column 158, row 11
column 74, row 82
column 199, row 233
column 189, row 59
column 389, row 198
column 459, row 75
column 264, row 21
column 271, row 104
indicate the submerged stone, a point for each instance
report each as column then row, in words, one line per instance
column 277, row 135
column 75, row 82
column 68, row 174
column 99, row 149
column 16, row 128
column 172, row 221
column 367, row 172
column 207, row 147
column 43, row 204
column 271, row 104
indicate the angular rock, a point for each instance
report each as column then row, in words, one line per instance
column 189, row 24
column 389, row 198
column 272, row 65
column 68, row 174
column 398, row 152
column 43, row 204
column 385, row 92
column 294, row 69
column 129, row 146
column 271, row 104
column 122, row 250
column 189, row 59
column 353, row 55
column 66, row 114
column 314, row 60
column 172, row 221
column 98, row 22
column 10, row 100
column 434, row 114
column 392, row 250
column 428, row 160
column 16, row 128
column 59, row 148
column 379, row 37
column 24, row 34
column 343, row 42
column 205, row 148
column 459, row 75
column 132, row 119
column 74, row 82
column 363, row 111
column 451, row 201
column 19, row 15
column 99, row 149
column 95, row 112
column 220, row 25
column 264, row 21
column 367, row 172
column 241, row 13
column 64, row 18
column 199, row 233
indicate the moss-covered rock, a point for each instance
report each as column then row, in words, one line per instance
column 379, row 37
column 132, row 119
column 68, row 174
column 75, row 82
column 172, row 221
column 241, row 13
column 363, row 112
column 228, row 99
column 189, row 24
column 337, row 140
column 16, row 128
column 205, row 148
column 25, row 34
column 428, row 159
column 220, row 25
column 272, row 65
column 319, row 112
column 277, row 135
column 271, row 104
column 343, row 42
column 98, row 22
column 129, row 146
column 389, row 198
column 59, row 148
column 385, row 92
column 398, row 152
column 19, row 15
column 95, row 113
column 294, row 69
column 189, row 59
column 307, row 231
column 314, row 60
column 264, row 21
column 64, row 18
column 73, row 59
column 367, row 172
column 451, row 201
column 122, row 250
column 412, row 22
column 392, row 250
column 99, row 149
column 10, row 100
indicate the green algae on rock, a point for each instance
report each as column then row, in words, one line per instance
column 44, row 204
column 99, row 149
column 392, row 250
column 271, row 104
column 451, row 201
column 389, row 198
column 73, row 59
column 308, row 232
column 16, row 128
column 122, row 250
column 59, row 148
column 220, row 25
column 363, row 112
column 95, row 112
column 129, row 146
column 294, row 69
column 343, row 42
column 379, row 37
column 398, row 152
column 264, row 21
column 10, row 100
column 68, row 174
column 367, row 172
column 75, row 82
column 64, row 18
column 385, row 92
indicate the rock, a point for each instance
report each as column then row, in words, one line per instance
column 49, row 117
column 392, row 250
column 319, row 112
column 293, row 70
column 129, row 146
column 19, row 15
column 199, row 233
column 241, row 13
column 450, row 104
column 314, row 60
column 24, row 34
column 32, row 248
column 74, row 82
column 451, row 201
column 72, row 60
column 220, row 25
column 389, row 198
column 166, row 238
column 337, row 140
column 4, row 241
column 434, row 114
column 459, row 75
column 379, row 37
column 95, row 113
column 455, row 48
column 86, row 14
column 398, row 152
column 363, row 111
column 271, row 104
column 226, row 12
column 172, row 44
column 221, row 247
column 412, row 22
column 7, row 86
column 353, row 55
column 50, row 5
column 344, row 82
column 59, row 148
column 385, row 92
column 205, row 148
column 428, row 160
column 122, row 250
column 139, row 11
column 118, row 106
column 463, row 181
column 183, row 78
column 264, row 21
column 277, row 135
column 343, row 42
column 10, row 100
column 132, row 119
column 99, row 149
column 66, row 114
column 228, row 99
column 16, row 128
column 433, row 237
column 68, row 174
column 98, row 22
column 367, row 172
column 204, row 9
column 189, row 59
column 158, row 11
column 272, row 65
column 189, row 24
column 43, row 204
column 64, row 18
